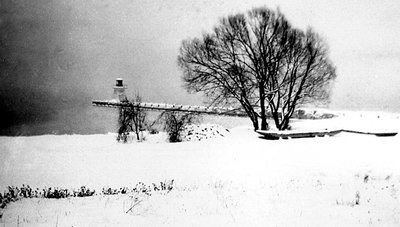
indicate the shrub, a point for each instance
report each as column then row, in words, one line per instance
column 13, row 194
column 175, row 124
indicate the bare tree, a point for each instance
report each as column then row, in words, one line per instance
column 175, row 122
column 252, row 60
column 216, row 66
column 305, row 76
column 132, row 118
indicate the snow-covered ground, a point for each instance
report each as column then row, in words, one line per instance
column 239, row 179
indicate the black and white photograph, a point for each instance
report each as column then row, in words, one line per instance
column 199, row 113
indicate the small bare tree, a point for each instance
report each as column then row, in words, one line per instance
column 132, row 118
column 175, row 122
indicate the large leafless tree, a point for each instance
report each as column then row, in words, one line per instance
column 259, row 61
column 304, row 76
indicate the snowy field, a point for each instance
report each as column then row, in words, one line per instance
column 239, row 179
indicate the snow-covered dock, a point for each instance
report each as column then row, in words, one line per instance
column 173, row 107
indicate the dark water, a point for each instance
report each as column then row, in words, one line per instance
column 98, row 120
column 89, row 121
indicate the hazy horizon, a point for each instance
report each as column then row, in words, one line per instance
column 58, row 55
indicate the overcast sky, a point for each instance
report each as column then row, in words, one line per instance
column 57, row 55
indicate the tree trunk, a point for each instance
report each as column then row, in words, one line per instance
column 285, row 123
column 264, row 124
column 255, row 123
column 275, row 116
column 137, row 133
column 286, row 119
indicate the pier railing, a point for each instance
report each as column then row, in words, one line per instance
column 172, row 107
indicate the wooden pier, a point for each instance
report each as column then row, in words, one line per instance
column 171, row 107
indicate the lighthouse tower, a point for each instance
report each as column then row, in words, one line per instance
column 119, row 91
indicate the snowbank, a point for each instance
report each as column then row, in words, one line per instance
column 203, row 131
column 239, row 179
